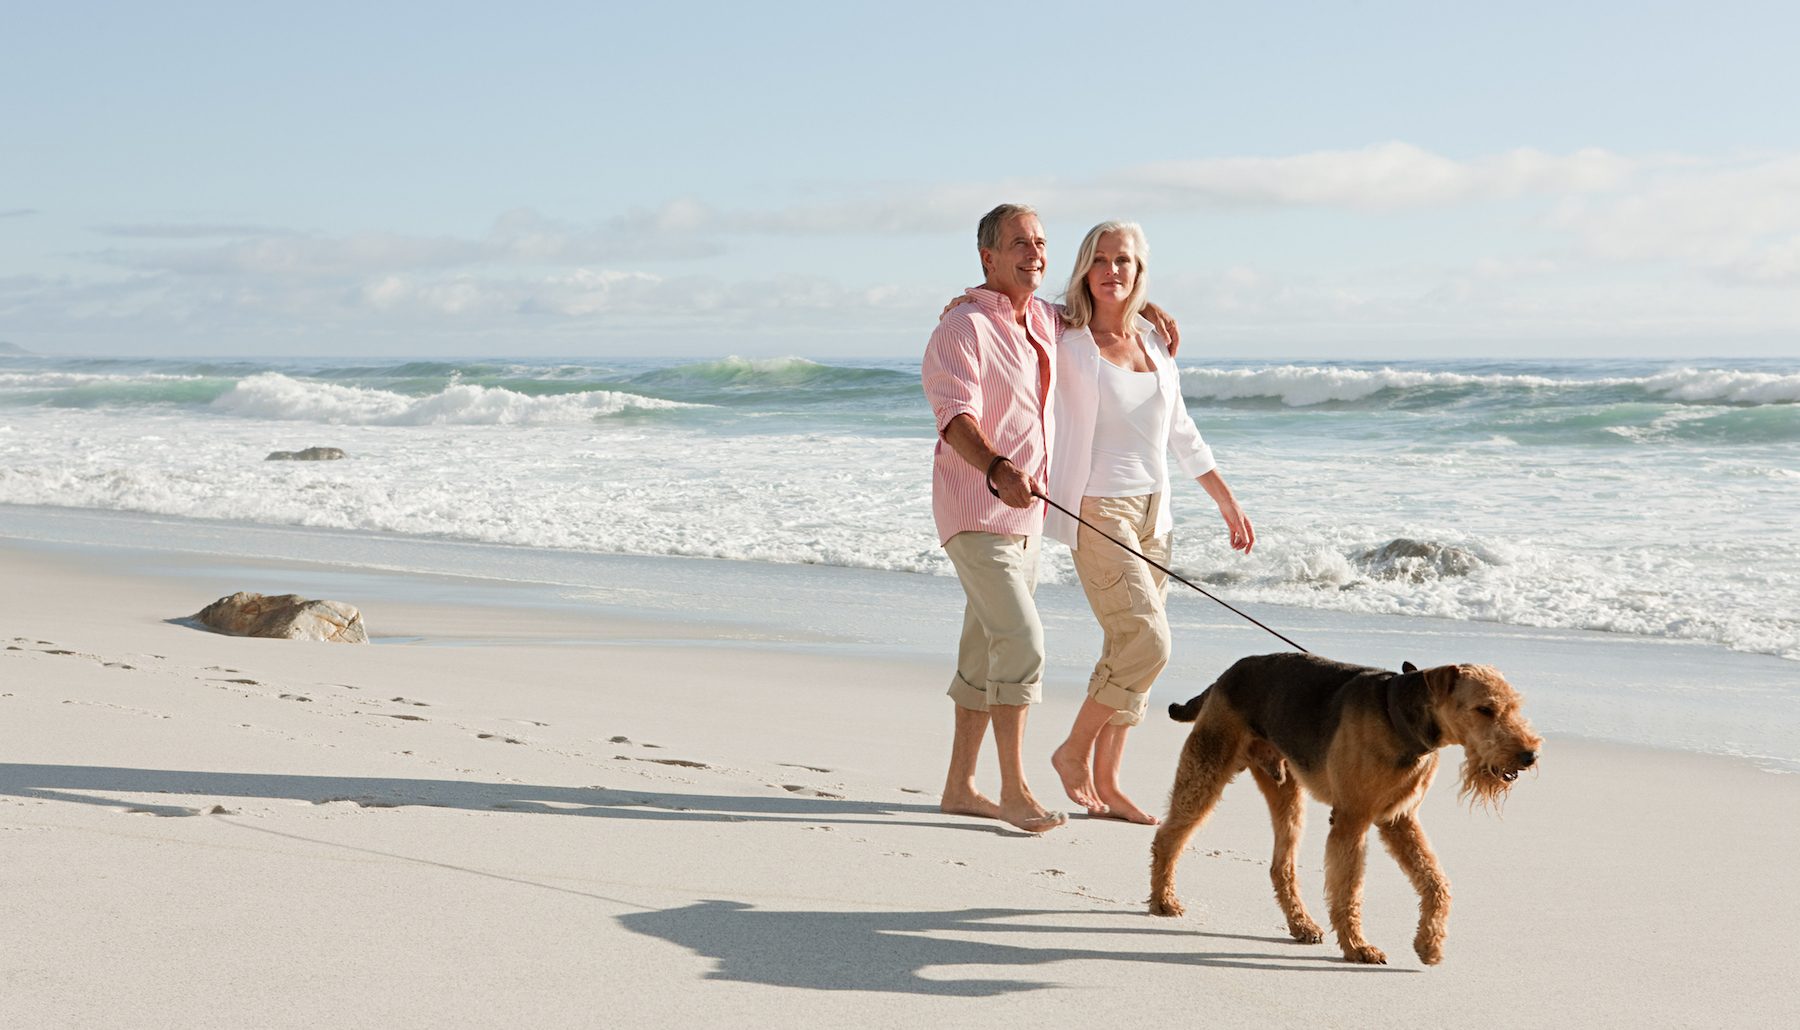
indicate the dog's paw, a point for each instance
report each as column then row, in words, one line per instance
column 1166, row 907
column 1429, row 949
column 1367, row 954
column 1305, row 931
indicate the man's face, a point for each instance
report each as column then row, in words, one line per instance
column 1016, row 264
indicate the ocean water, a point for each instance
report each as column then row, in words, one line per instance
column 1651, row 499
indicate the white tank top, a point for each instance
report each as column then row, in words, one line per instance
column 1131, row 431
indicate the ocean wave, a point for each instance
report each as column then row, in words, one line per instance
column 91, row 390
column 64, row 380
column 1300, row 386
column 756, row 374
column 272, row 395
column 1718, row 386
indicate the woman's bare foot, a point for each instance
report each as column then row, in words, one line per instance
column 1118, row 806
column 1077, row 778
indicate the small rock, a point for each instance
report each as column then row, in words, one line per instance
column 286, row 617
column 310, row 454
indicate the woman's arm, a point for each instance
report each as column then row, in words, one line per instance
column 1243, row 534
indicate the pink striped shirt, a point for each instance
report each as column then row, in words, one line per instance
column 982, row 363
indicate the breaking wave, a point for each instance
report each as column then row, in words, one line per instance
column 272, row 395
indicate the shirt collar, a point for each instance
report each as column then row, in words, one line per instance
column 996, row 303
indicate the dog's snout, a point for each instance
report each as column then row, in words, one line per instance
column 1527, row 759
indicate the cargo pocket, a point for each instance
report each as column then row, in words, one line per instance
column 1108, row 588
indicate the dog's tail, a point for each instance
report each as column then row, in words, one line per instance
column 1189, row 710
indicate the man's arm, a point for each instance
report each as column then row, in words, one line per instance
column 966, row 438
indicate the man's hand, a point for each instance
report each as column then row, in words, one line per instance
column 1164, row 323
column 1016, row 488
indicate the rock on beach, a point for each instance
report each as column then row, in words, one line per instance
column 310, row 454
column 286, row 617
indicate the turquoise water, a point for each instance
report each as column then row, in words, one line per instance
column 1652, row 499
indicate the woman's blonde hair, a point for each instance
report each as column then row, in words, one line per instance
column 1078, row 301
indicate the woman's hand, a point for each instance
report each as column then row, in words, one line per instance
column 1243, row 534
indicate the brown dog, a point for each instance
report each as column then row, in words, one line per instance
column 1361, row 740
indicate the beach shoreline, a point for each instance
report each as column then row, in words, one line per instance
column 219, row 831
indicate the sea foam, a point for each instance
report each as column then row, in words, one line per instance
column 272, row 395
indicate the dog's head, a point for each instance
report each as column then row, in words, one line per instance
column 1475, row 707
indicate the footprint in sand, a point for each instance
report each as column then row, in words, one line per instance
column 808, row 768
column 618, row 740
column 801, row 788
column 248, row 683
column 295, row 697
column 496, row 736
column 911, row 790
column 408, row 718
column 684, row 763
column 406, row 701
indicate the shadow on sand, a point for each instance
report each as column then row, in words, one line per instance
column 892, row 951
column 823, row 950
column 82, row 784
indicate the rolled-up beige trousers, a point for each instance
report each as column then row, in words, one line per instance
column 1128, row 598
column 1000, row 660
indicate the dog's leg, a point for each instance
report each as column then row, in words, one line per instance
column 1405, row 840
column 1212, row 756
column 1343, row 885
column 1287, row 815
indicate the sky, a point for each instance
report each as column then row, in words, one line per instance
column 1332, row 180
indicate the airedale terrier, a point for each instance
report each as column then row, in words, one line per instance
column 1361, row 740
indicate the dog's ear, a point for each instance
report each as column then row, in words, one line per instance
column 1409, row 709
column 1408, row 667
column 1442, row 680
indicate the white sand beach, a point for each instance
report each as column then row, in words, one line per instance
column 519, row 814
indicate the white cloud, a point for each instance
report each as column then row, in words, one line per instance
column 1734, row 220
column 188, row 230
column 1384, row 177
column 1583, row 244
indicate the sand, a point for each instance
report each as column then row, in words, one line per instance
column 513, row 815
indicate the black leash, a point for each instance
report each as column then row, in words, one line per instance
column 1171, row 573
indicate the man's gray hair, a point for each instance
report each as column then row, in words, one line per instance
column 987, row 234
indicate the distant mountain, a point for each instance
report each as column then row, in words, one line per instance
column 12, row 348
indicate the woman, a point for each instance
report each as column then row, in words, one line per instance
column 1118, row 413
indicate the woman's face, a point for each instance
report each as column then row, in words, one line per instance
column 1114, row 272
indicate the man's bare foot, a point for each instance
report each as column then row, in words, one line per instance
column 1077, row 778
column 969, row 801
column 1118, row 806
column 1031, row 817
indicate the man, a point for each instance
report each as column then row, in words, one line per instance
column 988, row 373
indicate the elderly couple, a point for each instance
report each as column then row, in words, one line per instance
column 1080, row 403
